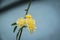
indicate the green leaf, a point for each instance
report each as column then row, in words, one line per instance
column 18, row 34
column 13, row 24
column 15, row 28
column 24, row 26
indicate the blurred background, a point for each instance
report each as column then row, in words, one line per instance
column 45, row 12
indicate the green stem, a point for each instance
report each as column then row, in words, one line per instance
column 28, row 7
column 20, row 33
column 26, row 14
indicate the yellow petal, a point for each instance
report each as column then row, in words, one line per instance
column 30, row 21
column 31, row 28
column 31, row 25
column 21, row 22
column 28, row 16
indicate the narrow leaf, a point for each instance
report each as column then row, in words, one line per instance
column 13, row 24
column 18, row 34
column 15, row 28
column 24, row 26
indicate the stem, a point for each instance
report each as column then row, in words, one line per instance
column 20, row 33
column 28, row 7
column 26, row 14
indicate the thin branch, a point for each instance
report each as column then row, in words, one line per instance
column 28, row 7
column 20, row 33
column 26, row 14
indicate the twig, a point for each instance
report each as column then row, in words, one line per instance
column 28, row 7
column 20, row 33
column 26, row 14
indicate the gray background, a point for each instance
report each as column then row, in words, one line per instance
column 46, row 14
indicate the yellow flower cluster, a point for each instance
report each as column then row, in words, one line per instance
column 21, row 22
column 29, row 21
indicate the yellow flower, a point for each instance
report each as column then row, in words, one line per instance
column 21, row 22
column 30, row 25
column 28, row 21
column 31, row 28
column 28, row 16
